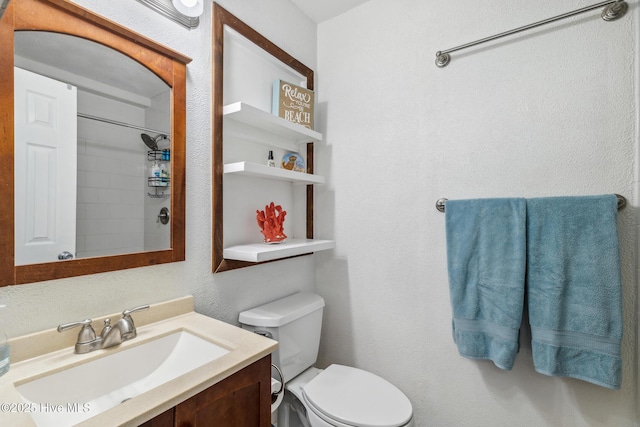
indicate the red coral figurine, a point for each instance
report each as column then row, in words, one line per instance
column 271, row 221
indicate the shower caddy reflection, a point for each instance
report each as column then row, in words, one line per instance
column 160, row 172
column 162, row 180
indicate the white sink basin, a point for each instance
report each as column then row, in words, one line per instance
column 83, row 391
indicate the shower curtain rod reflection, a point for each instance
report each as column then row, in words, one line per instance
column 614, row 9
column 114, row 122
column 440, row 203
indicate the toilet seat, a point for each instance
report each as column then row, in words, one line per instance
column 343, row 395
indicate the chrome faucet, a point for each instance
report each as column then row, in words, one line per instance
column 123, row 330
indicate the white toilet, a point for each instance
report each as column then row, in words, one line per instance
column 339, row 396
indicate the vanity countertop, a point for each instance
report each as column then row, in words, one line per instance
column 42, row 353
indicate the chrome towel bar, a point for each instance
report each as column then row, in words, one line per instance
column 614, row 9
column 622, row 202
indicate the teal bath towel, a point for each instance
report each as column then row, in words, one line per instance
column 574, row 287
column 486, row 257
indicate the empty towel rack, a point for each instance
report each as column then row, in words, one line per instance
column 613, row 10
column 440, row 203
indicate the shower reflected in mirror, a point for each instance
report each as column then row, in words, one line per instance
column 106, row 194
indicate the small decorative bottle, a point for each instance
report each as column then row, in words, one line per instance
column 270, row 161
column 164, row 175
column 155, row 175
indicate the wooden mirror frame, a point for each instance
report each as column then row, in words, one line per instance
column 62, row 16
column 222, row 17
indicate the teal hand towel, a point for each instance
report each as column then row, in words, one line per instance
column 574, row 288
column 486, row 258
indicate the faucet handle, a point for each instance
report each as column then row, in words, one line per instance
column 130, row 330
column 86, row 334
column 128, row 312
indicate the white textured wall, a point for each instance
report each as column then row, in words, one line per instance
column 222, row 295
column 549, row 112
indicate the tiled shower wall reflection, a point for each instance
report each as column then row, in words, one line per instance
column 111, row 179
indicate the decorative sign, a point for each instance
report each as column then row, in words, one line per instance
column 293, row 103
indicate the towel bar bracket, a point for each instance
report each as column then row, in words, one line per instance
column 622, row 202
column 614, row 11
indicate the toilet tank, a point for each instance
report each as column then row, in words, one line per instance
column 295, row 322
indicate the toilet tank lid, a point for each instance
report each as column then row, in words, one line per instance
column 282, row 311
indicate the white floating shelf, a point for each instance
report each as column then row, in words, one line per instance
column 260, row 252
column 263, row 171
column 247, row 122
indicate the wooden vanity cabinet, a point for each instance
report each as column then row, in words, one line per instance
column 163, row 420
column 241, row 400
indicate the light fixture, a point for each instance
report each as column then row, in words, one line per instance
column 190, row 8
column 169, row 9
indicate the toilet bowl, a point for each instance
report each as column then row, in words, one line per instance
column 338, row 396
column 342, row 396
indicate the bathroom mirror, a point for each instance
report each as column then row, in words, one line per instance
column 120, row 114
column 116, row 106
